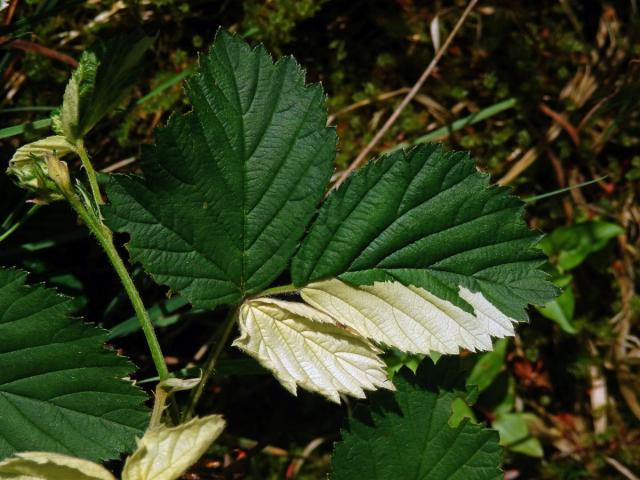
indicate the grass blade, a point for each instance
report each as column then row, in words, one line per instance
column 20, row 129
column 562, row 190
column 445, row 131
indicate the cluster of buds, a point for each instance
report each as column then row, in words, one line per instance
column 37, row 167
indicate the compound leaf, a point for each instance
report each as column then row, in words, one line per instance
column 229, row 188
column 427, row 218
column 408, row 435
column 60, row 389
column 303, row 346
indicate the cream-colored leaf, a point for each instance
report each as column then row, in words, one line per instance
column 410, row 318
column 305, row 347
column 172, row 385
column 497, row 323
column 54, row 145
column 165, row 453
column 51, row 466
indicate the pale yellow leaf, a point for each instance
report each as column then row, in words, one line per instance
column 55, row 145
column 410, row 318
column 305, row 347
column 172, row 385
column 165, row 453
column 51, row 466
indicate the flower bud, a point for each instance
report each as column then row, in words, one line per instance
column 37, row 167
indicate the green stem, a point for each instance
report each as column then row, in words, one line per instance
column 210, row 365
column 91, row 173
column 19, row 223
column 105, row 238
column 290, row 288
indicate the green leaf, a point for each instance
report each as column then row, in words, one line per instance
column 229, row 188
column 60, row 389
column 162, row 314
column 515, row 434
column 103, row 79
column 488, row 366
column 407, row 435
column 77, row 100
column 427, row 218
column 460, row 410
column 562, row 308
column 571, row 245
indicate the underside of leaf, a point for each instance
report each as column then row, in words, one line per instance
column 165, row 453
column 410, row 318
column 51, row 466
column 60, row 389
column 229, row 188
column 54, row 145
column 303, row 346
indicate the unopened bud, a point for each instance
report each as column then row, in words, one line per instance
column 37, row 167
column 33, row 174
column 59, row 173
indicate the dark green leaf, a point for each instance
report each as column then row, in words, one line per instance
column 60, row 389
column 228, row 189
column 427, row 218
column 407, row 435
column 103, row 79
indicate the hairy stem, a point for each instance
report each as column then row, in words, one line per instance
column 91, row 173
column 158, row 406
column 223, row 335
column 105, row 239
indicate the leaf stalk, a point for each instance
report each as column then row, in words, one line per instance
column 210, row 365
column 20, row 222
column 105, row 239
column 91, row 173
column 290, row 288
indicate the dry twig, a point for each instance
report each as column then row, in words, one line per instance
column 362, row 156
